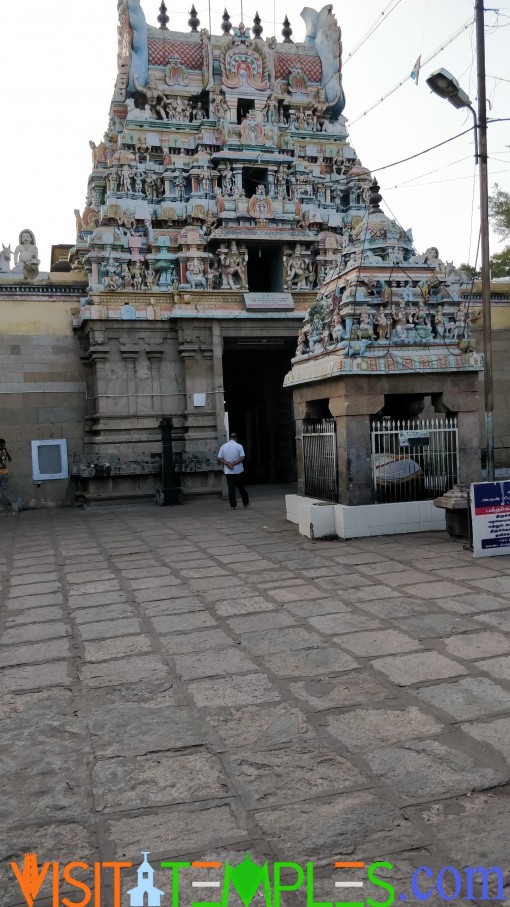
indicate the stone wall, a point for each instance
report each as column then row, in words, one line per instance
column 42, row 390
column 501, row 380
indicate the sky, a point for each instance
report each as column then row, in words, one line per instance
column 58, row 68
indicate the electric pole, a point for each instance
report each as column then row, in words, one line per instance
column 484, row 237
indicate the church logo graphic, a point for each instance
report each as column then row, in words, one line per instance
column 145, row 894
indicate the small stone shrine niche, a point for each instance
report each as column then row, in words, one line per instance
column 387, row 324
column 380, row 300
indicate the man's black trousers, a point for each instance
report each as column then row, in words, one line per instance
column 233, row 482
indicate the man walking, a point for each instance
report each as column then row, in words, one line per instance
column 232, row 456
column 5, row 458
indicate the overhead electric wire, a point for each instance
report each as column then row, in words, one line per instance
column 429, row 172
column 419, row 153
column 406, row 78
column 373, row 28
column 453, row 179
column 438, row 145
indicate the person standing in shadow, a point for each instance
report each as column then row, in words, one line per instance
column 231, row 455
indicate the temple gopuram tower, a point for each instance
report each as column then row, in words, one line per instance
column 217, row 203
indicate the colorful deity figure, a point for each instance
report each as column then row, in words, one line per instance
column 440, row 322
column 252, row 132
column 154, row 97
column 270, row 112
column 199, row 113
column 195, row 274
column 180, row 184
column 243, row 66
column 297, row 269
column 126, row 179
column 298, row 83
column 381, row 324
column 138, row 182
column 315, row 335
column 150, row 186
column 407, row 292
column 281, row 183
column 460, row 327
column 260, row 207
column 178, row 110
column 151, row 277
column 338, row 327
column 399, row 321
column 218, row 106
column 111, row 279
column 365, row 328
column 233, row 268
column 320, row 108
column 175, row 73
column 227, row 180
column 127, row 280
column 137, row 275
column 421, row 322
column 302, row 346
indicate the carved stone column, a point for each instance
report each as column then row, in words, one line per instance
column 130, row 355
column 238, row 176
column 196, row 348
column 98, row 356
column 155, row 356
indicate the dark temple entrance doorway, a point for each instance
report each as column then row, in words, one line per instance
column 259, row 409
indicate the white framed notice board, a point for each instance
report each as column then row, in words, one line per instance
column 490, row 512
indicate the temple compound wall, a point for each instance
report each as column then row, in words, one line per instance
column 500, row 314
column 42, row 385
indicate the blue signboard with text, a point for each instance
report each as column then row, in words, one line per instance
column 490, row 511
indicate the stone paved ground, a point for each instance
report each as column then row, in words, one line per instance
column 198, row 682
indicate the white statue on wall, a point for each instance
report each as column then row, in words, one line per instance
column 26, row 256
column 5, row 259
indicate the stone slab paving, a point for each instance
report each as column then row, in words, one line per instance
column 199, row 682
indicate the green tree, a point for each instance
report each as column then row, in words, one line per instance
column 500, row 263
column 470, row 271
column 499, row 211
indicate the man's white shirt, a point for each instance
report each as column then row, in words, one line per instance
column 230, row 452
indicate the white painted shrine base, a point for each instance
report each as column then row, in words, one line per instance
column 318, row 519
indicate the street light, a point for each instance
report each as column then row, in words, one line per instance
column 442, row 83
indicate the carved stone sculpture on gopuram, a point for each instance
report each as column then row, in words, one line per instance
column 219, row 149
column 382, row 307
column 224, row 151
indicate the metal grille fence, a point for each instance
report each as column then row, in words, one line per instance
column 319, row 459
column 414, row 459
